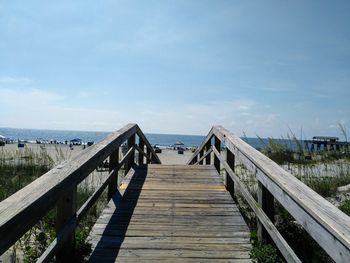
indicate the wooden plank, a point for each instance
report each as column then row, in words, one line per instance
column 113, row 183
column 173, row 240
column 172, row 253
column 170, row 216
column 266, row 202
column 182, row 260
column 217, row 147
column 131, row 159
column 139, row 208
column 150, row 151
column 110, row 242
column 324, row 222
column 280, row 242
column 141, row 148
column 144, row 204
column 66, row 208
column 23, row 209
column 107, row 259
column 219, row 220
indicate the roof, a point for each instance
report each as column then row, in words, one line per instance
column 325, row 138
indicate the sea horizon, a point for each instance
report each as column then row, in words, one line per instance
column 160, row 139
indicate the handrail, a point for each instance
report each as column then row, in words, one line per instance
column 22, row 210
column 324, row 222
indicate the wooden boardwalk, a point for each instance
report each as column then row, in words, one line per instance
column 171, row 213
column 168, row 213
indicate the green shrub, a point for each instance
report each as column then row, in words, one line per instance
column 263, row 253
column 18, row 169
column 278, row 152
column 299, row 239
column 345, row 207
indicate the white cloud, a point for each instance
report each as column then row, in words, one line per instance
column 236, row 115
column 8, row 80
column 35, row 108
column 29, row 98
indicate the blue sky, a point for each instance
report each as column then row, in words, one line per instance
column 259, row 67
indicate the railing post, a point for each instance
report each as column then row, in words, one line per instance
column 148, row 153
column 207, row 148
column 154, row 160
column 142, row 147
column 266, row 202
column 114, row 181
column 131, row 161
column 201, row 153
column 66, row 209
column 230, row 185
column 216, row 159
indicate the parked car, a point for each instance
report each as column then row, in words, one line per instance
column 76, row 141
column 157, row 149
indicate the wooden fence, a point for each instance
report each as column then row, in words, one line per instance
column 329, row 227
column 58, row 187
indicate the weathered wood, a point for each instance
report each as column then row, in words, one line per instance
column 58, row 242
column 34, row 201
column 208, row 150
column 230, row 159
column 131, row 160
column 69, row 227
column 280, row 242
column 195, row 159
column 22, row 210
column 201, row 153
column 66, row 209
column 266, row 202
column 206, row 141
column 217, row 145
column 153, row 156
column 141, row 154
column 151, row 222
column 200, row 161
column 324, row 222
column 149, row 155
column 113, row 183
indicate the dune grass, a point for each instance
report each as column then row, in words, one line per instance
column 21, row 167
column 323, row 172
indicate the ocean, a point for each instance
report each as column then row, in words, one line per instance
column 163, row 140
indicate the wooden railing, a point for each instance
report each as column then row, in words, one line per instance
column 58, row 187
column 329, row 227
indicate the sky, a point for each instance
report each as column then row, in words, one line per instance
column 256, row 67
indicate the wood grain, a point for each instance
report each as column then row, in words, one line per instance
column 161, row 217
column 329, row 227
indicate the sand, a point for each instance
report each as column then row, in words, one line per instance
column 172, row 157
column 55, row 151
column 62, row 152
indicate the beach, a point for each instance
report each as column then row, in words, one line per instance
column 63, row 152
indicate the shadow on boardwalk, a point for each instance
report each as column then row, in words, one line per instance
column 118, row 219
